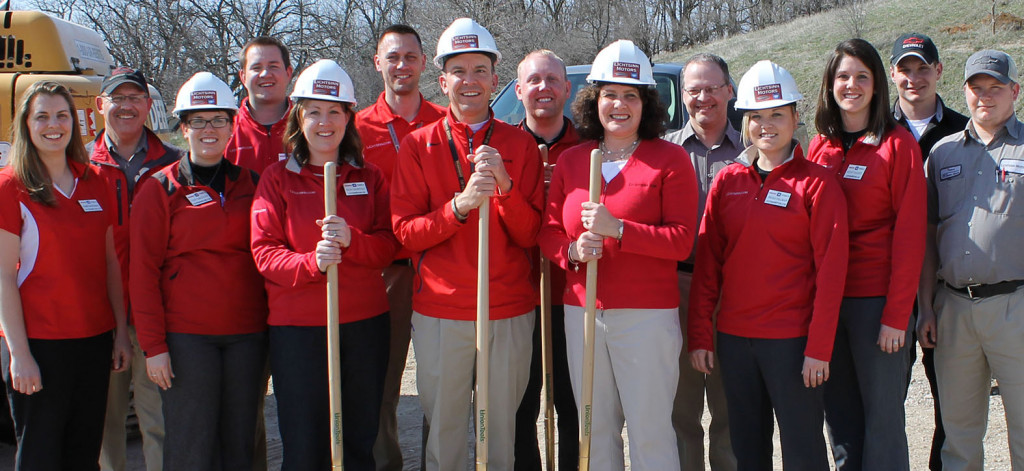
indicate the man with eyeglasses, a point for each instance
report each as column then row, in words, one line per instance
column 713, row 143
column 265, row 72
column 126, row 153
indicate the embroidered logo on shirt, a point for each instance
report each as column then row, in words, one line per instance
column 949, row 172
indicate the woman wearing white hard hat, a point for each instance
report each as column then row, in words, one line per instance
column 643, row 225
column 880, row 168
column 198, row 302
column 768, row 277
column 294, row 244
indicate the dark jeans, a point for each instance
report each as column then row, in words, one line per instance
column 761, row 376
column 210, row 408
column 298, row 361
column 865, row 394
column 527, row 452
column 61, row 426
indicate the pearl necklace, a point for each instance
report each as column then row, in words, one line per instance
column 608, row 155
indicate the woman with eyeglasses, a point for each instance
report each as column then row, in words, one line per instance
column 199, row 303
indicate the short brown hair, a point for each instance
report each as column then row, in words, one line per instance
column 264, row 41
column 653, row 118
column 351, row 147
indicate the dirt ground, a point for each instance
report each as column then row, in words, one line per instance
column 919, row 429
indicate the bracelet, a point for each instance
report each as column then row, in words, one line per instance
column 575, row 264
column 455, row 209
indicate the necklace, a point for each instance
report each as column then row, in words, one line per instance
column 613, row 155
column 213, row 177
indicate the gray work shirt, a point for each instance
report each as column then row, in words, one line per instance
column 707, row 162
column 976, row 199
column 133, row 164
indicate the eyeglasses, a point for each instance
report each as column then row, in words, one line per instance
column 199, row 123
column 695, row 92
column 121, row 100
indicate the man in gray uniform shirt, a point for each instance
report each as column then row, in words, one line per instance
column 712, row 144
column 972, row 307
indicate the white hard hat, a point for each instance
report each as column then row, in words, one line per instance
column 325, row 80
column 766, row 85
column 622, row 62
column 465, row 35
column 204, row 91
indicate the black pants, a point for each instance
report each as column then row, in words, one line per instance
column 298, row 361
column 210, row 409
column 61, row 426
column 761, row 376
column 527, row 452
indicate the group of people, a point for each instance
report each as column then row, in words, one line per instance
column 781, row 284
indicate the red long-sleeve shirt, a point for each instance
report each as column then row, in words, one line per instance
column 192, row 271
column 284, row 236
column 887, row 204
column 445, row 249
column 772, row 254
column 379, row 146
column 253, row 145
column 655, row 195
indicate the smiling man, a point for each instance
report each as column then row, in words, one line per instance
column 970, row 293
column 265, row 73
column 712, row 144
column 445, row 171
column 126, row 153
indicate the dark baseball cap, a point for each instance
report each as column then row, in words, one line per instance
column 914, row 44
column 123, row 75
column 998, row 64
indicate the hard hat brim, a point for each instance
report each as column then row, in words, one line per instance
column 764, row 105
column 296, row 96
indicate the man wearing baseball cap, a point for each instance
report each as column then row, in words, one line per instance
column 972, row 306
column 126, row 153
column 916, row 71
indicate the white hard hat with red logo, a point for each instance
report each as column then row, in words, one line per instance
column 465, row 35
column 766, row 85
column 204, row 91
column 325, row 80
column 622, row 62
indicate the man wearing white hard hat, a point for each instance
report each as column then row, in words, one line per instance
column 294, row 244
column 771, row 264
column 445, row 171
column 640, row 230
column 399, row 110
column 970, row 288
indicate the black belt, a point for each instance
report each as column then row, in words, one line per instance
column 405, row 262
column 985, row 291
column 684, row 267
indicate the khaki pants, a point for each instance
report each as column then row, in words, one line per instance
column 113, row 454
column 979, row 339
column 386, row 452
column 445, row 366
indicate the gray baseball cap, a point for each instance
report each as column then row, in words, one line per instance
column 997, row 64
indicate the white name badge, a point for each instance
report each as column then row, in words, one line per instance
column 90, row 206
column 777, row 198
column 355, row 189
column 282, row 156
column 855, row 172
column 199, row 198
column 1012, row 166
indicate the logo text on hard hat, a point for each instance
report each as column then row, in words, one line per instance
column 772, row 91
column 465, row 41
column 913, row 42
column 326, row 87
column 203, row 97
column 626, row 70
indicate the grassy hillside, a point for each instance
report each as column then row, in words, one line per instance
column 958, row 27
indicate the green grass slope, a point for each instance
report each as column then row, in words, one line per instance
column 958, row 27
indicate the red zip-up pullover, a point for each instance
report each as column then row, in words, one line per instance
column 772, row 254
column 655, row 195
column 379, row 146
column 192, row 271
column 158, row 156
column 445, row 249
column 887, row 202
column 288, row 202
column 253, row 145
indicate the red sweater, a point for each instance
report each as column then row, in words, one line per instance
column 655, row 195
column 62, row 269
column 771, row 256
column 284, row 236
column 886, row 201
column 253, row 145
column 158, row 156
column 444, row 249
column 192, row 272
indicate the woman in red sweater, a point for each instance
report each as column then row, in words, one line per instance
column 61, row 306
column 199, row 304
column 642, row 226
column 771, row 259
column 294, row 244
column 879, row 166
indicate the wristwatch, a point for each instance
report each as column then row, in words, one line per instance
column 622, row 227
